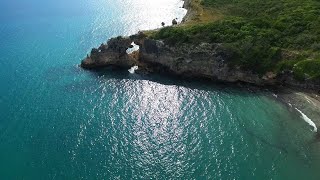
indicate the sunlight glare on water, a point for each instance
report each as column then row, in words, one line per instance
column 137, row 15
column 59, row 121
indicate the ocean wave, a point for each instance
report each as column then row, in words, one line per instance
column 308, row 120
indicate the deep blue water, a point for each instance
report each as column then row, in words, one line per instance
column 58, row 121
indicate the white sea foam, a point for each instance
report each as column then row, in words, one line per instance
column 308, row 120
column 133, row 69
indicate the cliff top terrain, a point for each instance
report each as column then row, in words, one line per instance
column 263, row 36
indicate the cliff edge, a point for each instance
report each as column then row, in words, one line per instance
column 184, row 51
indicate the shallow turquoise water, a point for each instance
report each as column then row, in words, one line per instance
column 60, row 122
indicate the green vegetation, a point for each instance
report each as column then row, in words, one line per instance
column 307, row 69
column 257, row 31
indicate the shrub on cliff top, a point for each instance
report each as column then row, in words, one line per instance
column 172, row 35
column 307, row 69
column 256, row 30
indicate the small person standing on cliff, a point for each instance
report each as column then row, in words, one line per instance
column 174, row 21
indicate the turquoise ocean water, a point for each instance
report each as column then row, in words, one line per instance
column 58, row 121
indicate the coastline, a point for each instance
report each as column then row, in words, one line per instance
column 305, row 103
column 131, row 118
column 204, row 61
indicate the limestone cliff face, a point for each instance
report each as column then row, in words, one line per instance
column 202, row 61
column 190, row 13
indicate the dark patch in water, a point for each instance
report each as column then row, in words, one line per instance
column 261, row 139
column 79, row 86
column 56, row 73
column 242, row 89
column 316, row 138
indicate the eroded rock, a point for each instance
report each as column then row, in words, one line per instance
column 114, row 53
column 205, row 60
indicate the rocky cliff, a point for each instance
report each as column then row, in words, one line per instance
column 204, row 60
column 113, row 53
column 190, row 13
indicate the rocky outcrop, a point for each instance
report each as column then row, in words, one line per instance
column 205, row 60
column 287, row 78
column 114, row 53
column 191, row 12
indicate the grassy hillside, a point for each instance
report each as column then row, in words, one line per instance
column 259, row 32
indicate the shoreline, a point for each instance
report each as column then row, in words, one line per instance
column 307, row 104
column 204, row 61
column 212, row 61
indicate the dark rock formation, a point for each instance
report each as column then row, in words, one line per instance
column 204, row 60
column 287, row 78
column 114, row 53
